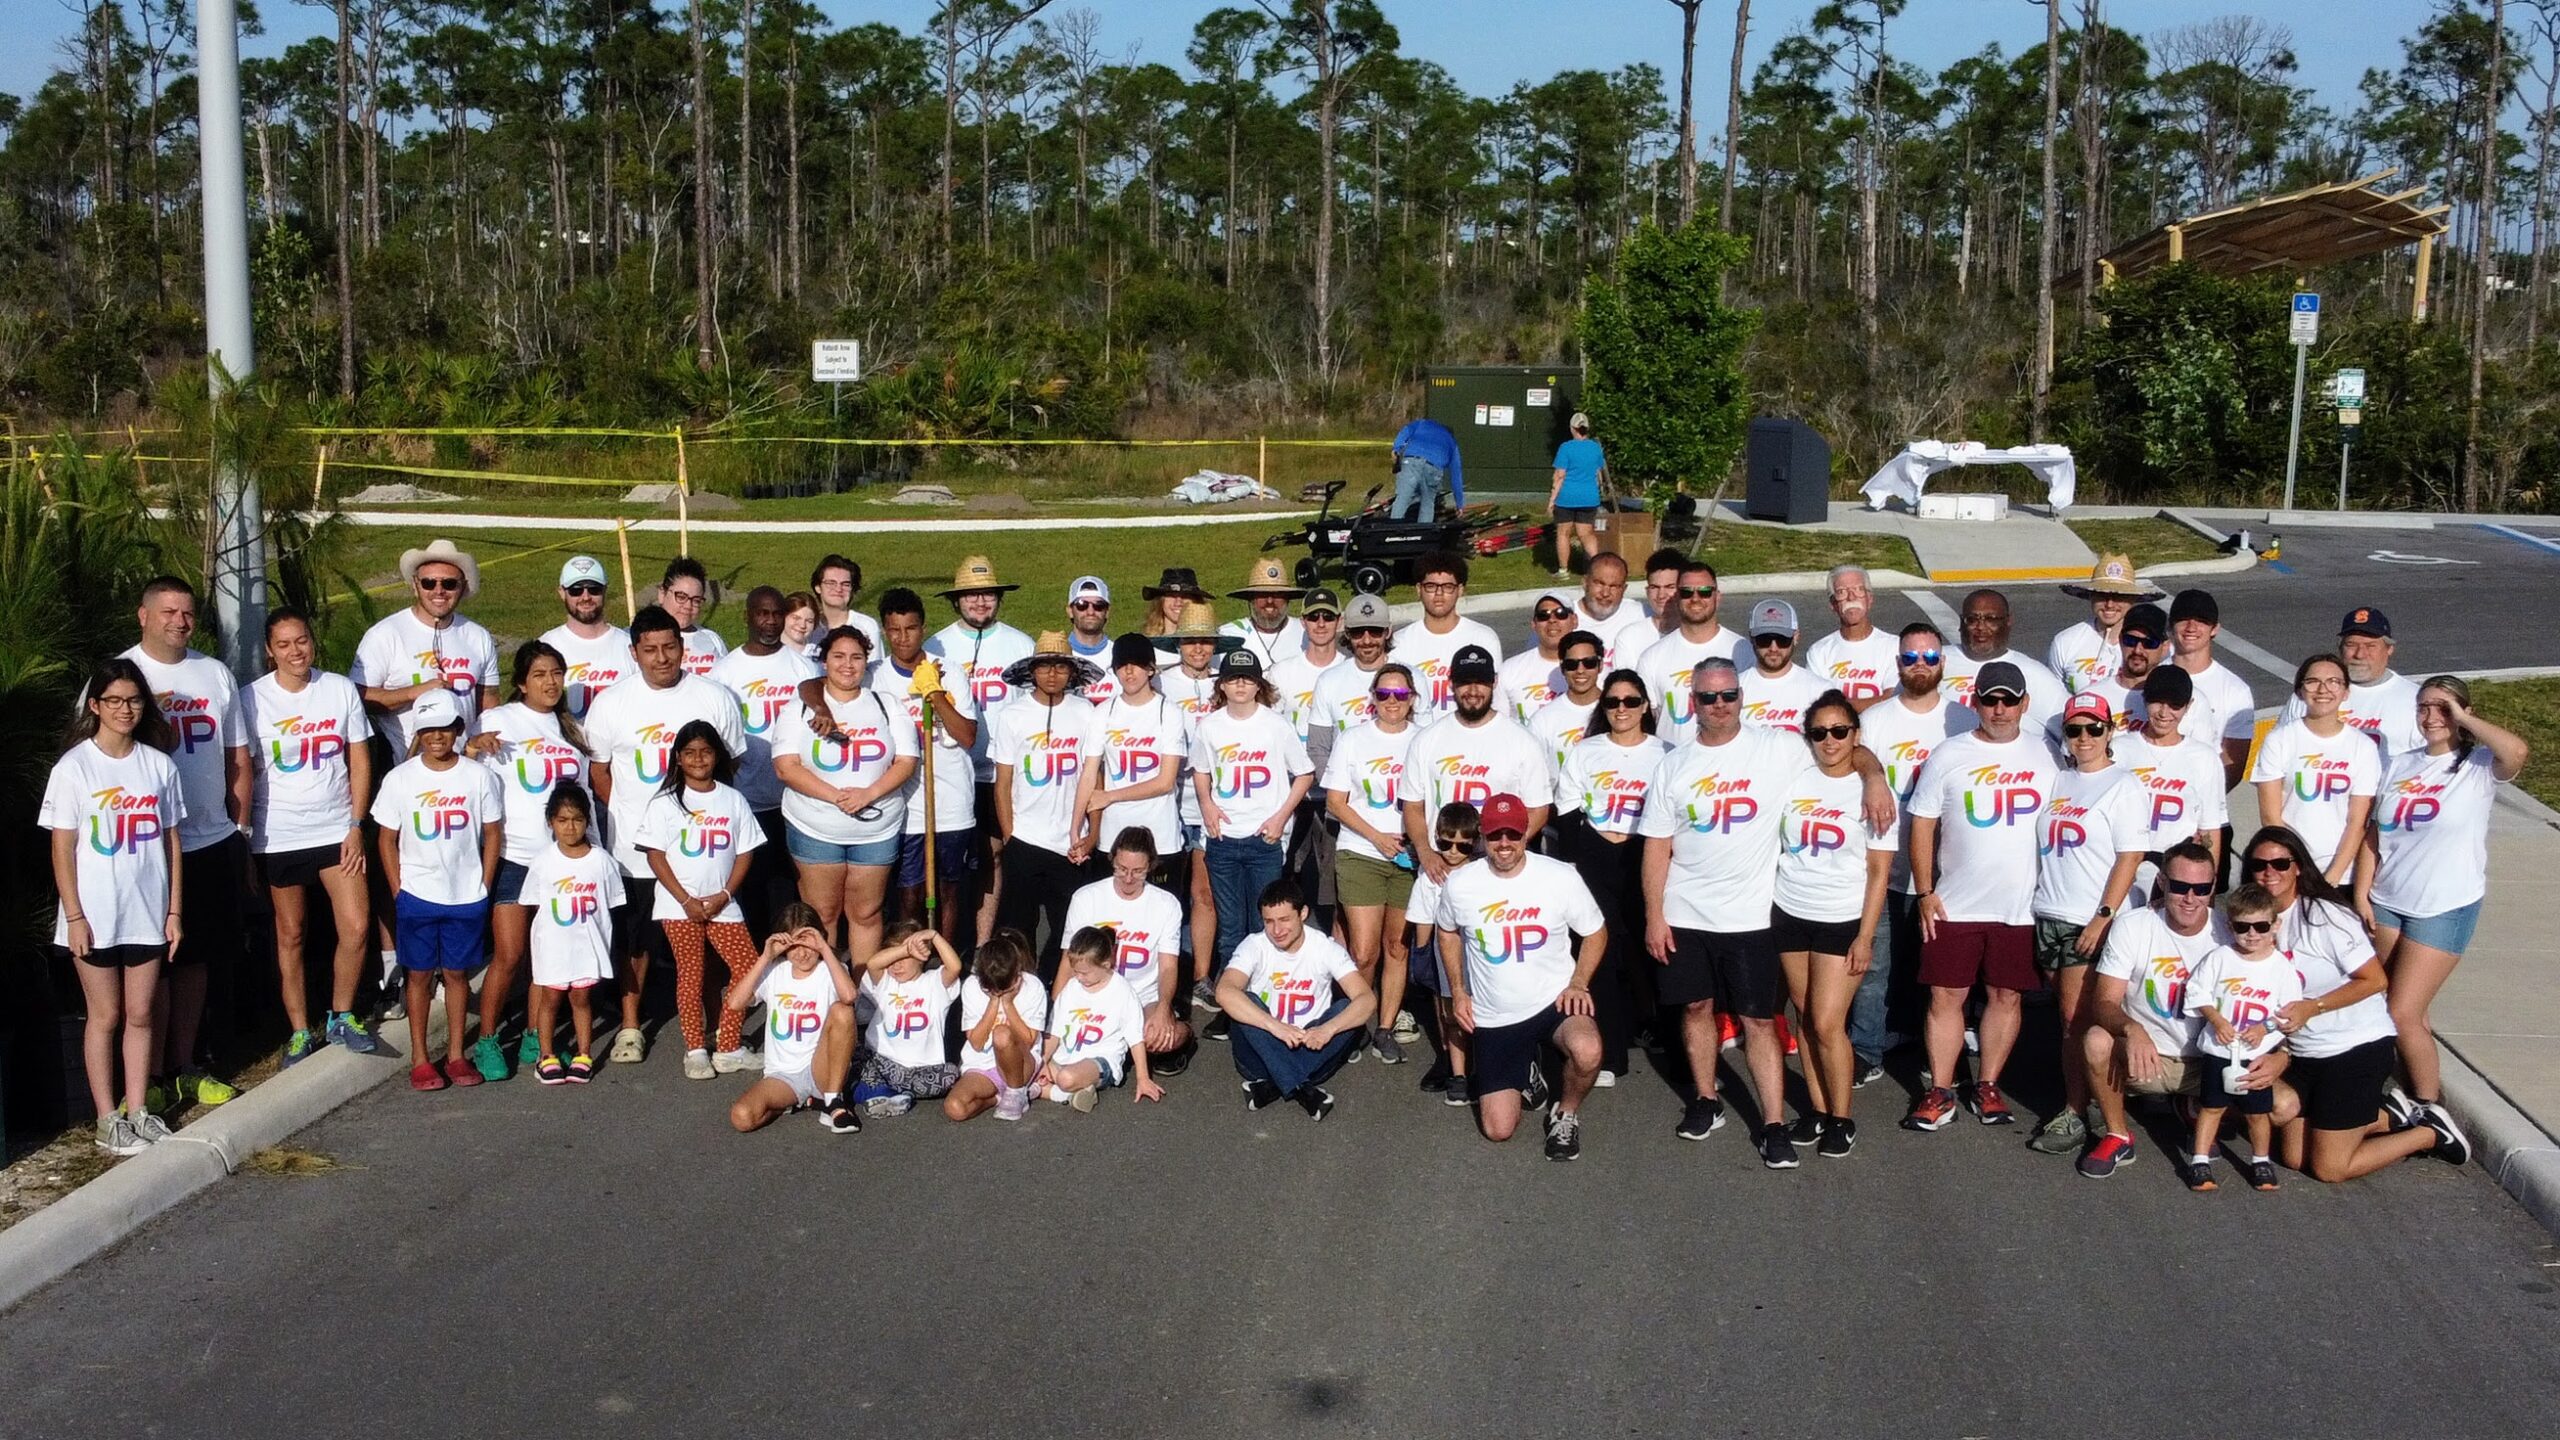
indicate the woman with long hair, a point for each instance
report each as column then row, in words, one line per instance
column 1373, row 874
column 1251, row 772
column 844, row 802
column 2317, row 774
column 534, row 744
column 1607, row 779
column 1832, row 873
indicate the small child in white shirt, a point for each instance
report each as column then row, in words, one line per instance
column 2237, row 989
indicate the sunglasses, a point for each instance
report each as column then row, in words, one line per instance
column 1697, row 592
column 1090, row 605
column 1545, row 615
column 2279, row 864
column 2001, row 698
column 1625, row 702
column 1757, row 641
column 438, row 582
column 1715, row 697
column 2186, row 887
column 2084, row 730
column 1921, row 657
column 1359, row 630
column 2252, row 927
column 1456, row 842
column 1391, row 692
column 2134, row 639
column 586, row 587
column 1506, row 834
column 1829, row 732
column 1588, row 662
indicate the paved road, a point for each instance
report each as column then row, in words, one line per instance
column 516, row 1260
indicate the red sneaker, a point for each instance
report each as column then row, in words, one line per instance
column 1728, row 1031
column 1786, row 1035
column 1934, row 1109
column 2103, row 1157
column 1989, row 1107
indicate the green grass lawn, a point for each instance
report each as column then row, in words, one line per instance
column 2531, row 708
column 2149, row 542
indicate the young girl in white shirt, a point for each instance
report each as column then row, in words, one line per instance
column 700, row 836
column 1095, row 1028
column 809, row 1026
column 1002, row 1010
column 910, row 983
column 570, row 889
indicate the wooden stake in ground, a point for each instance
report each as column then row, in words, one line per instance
column 684, row 509
column 622, row 537
column 319, row 475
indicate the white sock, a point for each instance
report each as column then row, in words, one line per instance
column 2257, row 1159
column 390, row 963
column 2203, row 1159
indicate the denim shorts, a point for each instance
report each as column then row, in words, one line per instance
column 2449, row 932
column 509, row 884
column 809, row 850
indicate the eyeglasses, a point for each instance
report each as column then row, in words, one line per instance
column 1544, row 616
column 439, row 582
column 2277, row 863
column 1715, row 697
column 1921, row 657
column 2002, row 699
column 1391, row 692
column 1506, row 834
column 1587, row 662
column 1829, row 732
column 587, row 587
column 1438, row 587
column 1697, row 592
column 836, row 582
column 2186, row 887
column 2252, row 927
column 1625, row 702
column 1090, row 605
column 120, row 702
column 688, row 597
column 2084, row 730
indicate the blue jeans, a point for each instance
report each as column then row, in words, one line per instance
column 1238, row 872
column 1419, row 486
column 1260, row 1055
column 1886, row 997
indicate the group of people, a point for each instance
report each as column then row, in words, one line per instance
column 980, row 866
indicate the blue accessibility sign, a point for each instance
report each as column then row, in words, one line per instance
column 2305, row 303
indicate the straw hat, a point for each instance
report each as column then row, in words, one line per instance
column 977, row 574
column 1268, row 577
column 1199, row 622
column 1052, row 646
column 2113, row 579
column 441, row 552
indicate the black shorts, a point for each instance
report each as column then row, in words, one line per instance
column 2210, row 1094
column 634, row 926
column 293, row 869
column 1500, row 1057
column 1817, row 937
column 2343, row 1091
column 955, row 857
column 120, row 957
column 214, row 877
column 1736, row 970
column 1576, row 514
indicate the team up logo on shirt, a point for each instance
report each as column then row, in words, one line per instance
column 1358, row 710
column 1053, row 759
column 1855, row 679
column 2318, row 777
column 796, row 1017
column 1679, row 704
column 587, row 680
column 1241, row 772
column 1465, row 780
column 2243, row 1002
column 541, row 764
column 2001, row 797
column 1129, row 758
column 123, row 822
column 454, row 669
column 1771, row 714
column 1131, row 952
column 2084, row 672
column 1813, row 829
column 1536, row 696
column 906, row 1017
column 762, row 701
column 1902, row 762
column 2168, row 795
column 1614, row 798
column 2066, row 828
column 436, row 815
column 1719, row 806
column 2413, row 802
column 575, row 901
column 848, row 749
column 191, row 716
column 1290, row 998
column 1085, row 1027
column 1434, row 684
column 649, row 752
column 704, row 834
column 987, row 687
column 300, row 744
column 1377, row 781
column 1506, row 932
column 2164, row 985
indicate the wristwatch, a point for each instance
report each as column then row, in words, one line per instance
column 2104, row 911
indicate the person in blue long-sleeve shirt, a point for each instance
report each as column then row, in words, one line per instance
column 1427, row 465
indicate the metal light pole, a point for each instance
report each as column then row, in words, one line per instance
column 239, row 559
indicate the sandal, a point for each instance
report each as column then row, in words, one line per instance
column 550, row 1071
column 426, row 1077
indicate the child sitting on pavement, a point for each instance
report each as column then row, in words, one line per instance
column 2238, row 989
column 909, row 983
column 1002, row 1008
column 809, row 1028
column 1094, row 1028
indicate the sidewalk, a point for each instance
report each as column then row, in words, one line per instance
column 2500, row 1013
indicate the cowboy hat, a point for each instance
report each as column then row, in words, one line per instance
column 1051, row 647
column 1267, row 578
column 1179, row 580
column 976, row 574
column 2113, row 579
column 441, row 552
column 1199, row 622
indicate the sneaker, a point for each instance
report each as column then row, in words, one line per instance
column 157, row 1097
column 1408, row 1029
column 1083, row 1101
column 2402, row 1110
column 426, row 1076
column 203, row 1089
column 1204, row 996
column 1775, row 1151
column 1702, row 1117
column 345, row 1029
column 549, row 1070
column 730, row 1062
column 885, row 1107
column 1564, row 1135
column 697, row 1064
column 839, row 1118
column 1807, row 1131
column 489, row 1058
column 630, row 1047
column 1605, row 1080
column 1989, row 1106
column 1933, row 1110
column 1383, row 1044
column 150, row 1129
column 1728, row 1031
column 459, row 1071
column 2103, row 1157
column 1012, row 1102
column 116, row 1137
column 1356, row 1052
column 1786, row 1035
column 528, row 1049
column 2262, row 1174
column 301, row 1046
column 1316, row 1100
column 1839, row 1137
column 2452, row 1146
column 1216, row 1029
column 1260, row 1094
column 1536, row 1094
column 581, row 1069
column 2197, row 1173
column 1457, row 1094
column 1435, row 1081
column 2064, row 1134
column 1868, row 1072
column 395, row 1008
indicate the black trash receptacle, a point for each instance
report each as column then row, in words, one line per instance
column 1788, row 470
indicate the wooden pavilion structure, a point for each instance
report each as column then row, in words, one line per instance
column 2322, row 225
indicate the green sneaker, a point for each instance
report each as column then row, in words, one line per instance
column 489, row 1058
column 303, row 1045
column 528, row 1049
column 203, row 1089
column 157, row 1098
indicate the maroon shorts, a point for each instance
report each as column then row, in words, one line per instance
column 1983, row 951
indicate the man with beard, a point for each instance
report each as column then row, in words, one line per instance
column 1471, row 757
column 1624, row 629
column 1268, row 630
column 2142, row 646
column 1667, row 663
column 599, row 654
column 1088, row 618
column 974, row 652
column 2084, row 655
column 1901, row 730
column 1857, row 659
column 2380, row 703
column 1342, row 692
column 1985, row 623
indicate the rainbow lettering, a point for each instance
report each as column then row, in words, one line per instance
column 123, row 822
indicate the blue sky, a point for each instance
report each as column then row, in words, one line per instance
column 1488, row 44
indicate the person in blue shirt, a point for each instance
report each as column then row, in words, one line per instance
column 1427, row 466
column 1575, row 500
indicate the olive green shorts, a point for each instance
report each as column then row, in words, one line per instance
column 1359, row 881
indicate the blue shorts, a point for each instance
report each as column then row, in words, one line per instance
column 955, row 856
column 809, row 850
column 509, row 884
column 1110, row 1074
column 435, row 937
column 2449, row 932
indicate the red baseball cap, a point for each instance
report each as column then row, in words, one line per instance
column 2086, row 703
column 1504, row 812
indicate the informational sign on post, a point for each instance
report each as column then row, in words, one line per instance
column 835, row 362
column 2306, row 318
column 2349, row 389
column 2305, row 334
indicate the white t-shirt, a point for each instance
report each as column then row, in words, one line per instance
column 1778, row 702
column 438, row 815
column 2082, row 657
column 766, row 686
column 1342, row 698
column 702, row 833
column 631, row 731
column 1861, row 669
column 299, row 743
column 1294, row 987
column 1609, row 783
column 1249, row 764
column 1149, row 931
column 1194, row 696
column 1095, row 1024
column 1990, row 801
column 1667, row 665
column 1623, row 635
column 1526, row 684
column 1366, row 769
column 1296, row 678
column 2247, row 992
column 2432, row 819
column 1422, row 907
column 1428, row 656
column 978, row 660
column 1901, row 739
column 955, row 792
column 402, row 650
column 572, row 902
column 795, row 1008
column 2223, row 706
column 202, row 702
column 1823, row 847
column 1559, row 726
column 1271, row 648
column 2091, row 820
column 121, row 812
column 1104, row 684
column 872, row 734
column 2327, row 944
column 1723, row 809
column 1030, row 1001
column 1139, row 743
column 2386, row 711
column 2320, row 777
column 595, row 666
column 703, row 648
column 2182, row 790
column 1042, row 749
column 2155, row 963
column 906, row 1016
column 1517, row 932
column 1453, row 761
column 532, row 758
column 2045, row 694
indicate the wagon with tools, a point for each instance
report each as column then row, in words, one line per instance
column 1372, row 551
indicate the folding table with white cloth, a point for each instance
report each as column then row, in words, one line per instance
column 1907, row 474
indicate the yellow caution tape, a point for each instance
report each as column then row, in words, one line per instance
column 511, row 477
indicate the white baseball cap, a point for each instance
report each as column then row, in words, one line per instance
column 435, row 710
column 1088, row 586
column 582, row 569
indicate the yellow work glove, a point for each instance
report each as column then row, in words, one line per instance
column 928, row 679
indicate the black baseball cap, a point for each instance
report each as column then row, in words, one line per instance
column 1472, row 663
column 2001, row 677
column 2168, row 685
column 1133, row 649
column 1239, row 665
column 2365, row 620
column 2148, row 621
column 2195, row 605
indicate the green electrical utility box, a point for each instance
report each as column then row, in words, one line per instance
column 1509, row 419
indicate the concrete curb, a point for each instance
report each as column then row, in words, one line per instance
column 58, row 1239
column 663, row 524
column 2518, row 1154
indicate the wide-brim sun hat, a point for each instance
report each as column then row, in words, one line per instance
column 2113, row 578
column 1052, row 648
column 976, row 575
column 1199, row 622
column 441, row 552
column 1179, row 580
column 1268, row 577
